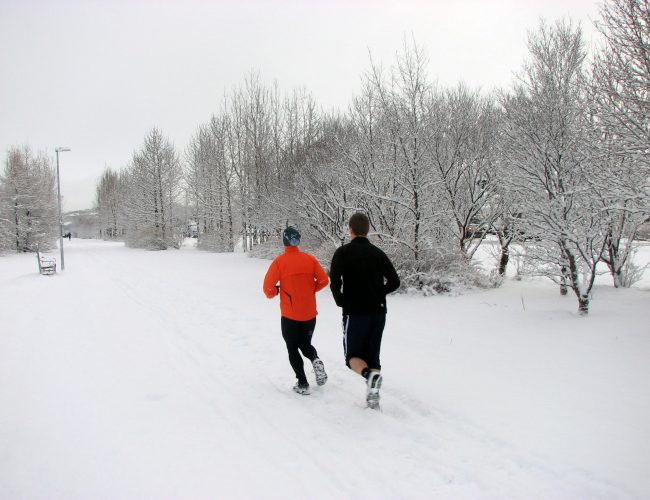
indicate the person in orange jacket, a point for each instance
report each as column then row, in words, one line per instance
column 300, row 276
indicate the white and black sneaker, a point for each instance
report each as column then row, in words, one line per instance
column 372, row 391
column 319, row 371
column 302, row 388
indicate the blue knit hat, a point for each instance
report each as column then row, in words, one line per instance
column 291, row 237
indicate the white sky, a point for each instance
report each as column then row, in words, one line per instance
column 96, row 76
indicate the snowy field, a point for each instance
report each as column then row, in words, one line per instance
column 163, row 375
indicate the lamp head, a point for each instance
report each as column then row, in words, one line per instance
column 60, row 150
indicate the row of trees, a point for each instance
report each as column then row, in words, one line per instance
column 238, row 168
column 140, row 204
column 558, row 161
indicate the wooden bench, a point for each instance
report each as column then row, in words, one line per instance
column 46, row 265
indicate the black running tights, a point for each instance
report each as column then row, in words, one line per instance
column 297, row 335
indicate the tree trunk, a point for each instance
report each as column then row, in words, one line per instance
column 563, row 281
column 231, row 242
column 612, row 261
column 503, row 262
column 17, row 227
column 163, row 225
column 244, row 233
column 583, row 305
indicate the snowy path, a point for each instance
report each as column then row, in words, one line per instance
column 164, row 375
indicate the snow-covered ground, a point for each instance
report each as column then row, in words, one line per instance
column 137, row 374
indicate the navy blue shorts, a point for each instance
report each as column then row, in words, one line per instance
column 362, row 337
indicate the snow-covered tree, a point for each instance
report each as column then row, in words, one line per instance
column 463, row 154
column 109, row 198
column 250, row 147
column 621, row 117
column 622, row 77
column 153, row 183
column 420, row 161
column 209, row 177
column 617, row 186
column 320, row 196
column 546, row 149
column 28, row 201
column 398, row 164
column 383, row 159
column 298, row 146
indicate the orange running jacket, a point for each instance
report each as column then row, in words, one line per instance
column 300, row 276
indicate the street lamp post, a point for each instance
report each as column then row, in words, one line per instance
column 58, row 189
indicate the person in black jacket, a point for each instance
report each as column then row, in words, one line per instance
column 361, row 275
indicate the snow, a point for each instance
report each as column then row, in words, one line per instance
column 136, row 374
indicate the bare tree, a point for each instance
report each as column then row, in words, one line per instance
column 506, row 206
column 108, row 202
column 28, row 206
column 621, row 117
column 617, row 186
column 420, row 162
column 546, row 150
column 153, row 186
column 322, row 196
column 389, row 172
column 622, row 76
column 463, row 155
column 210, row 181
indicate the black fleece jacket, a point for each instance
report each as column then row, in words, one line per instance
column 361, row 275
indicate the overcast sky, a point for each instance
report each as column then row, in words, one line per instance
column 96, row 76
